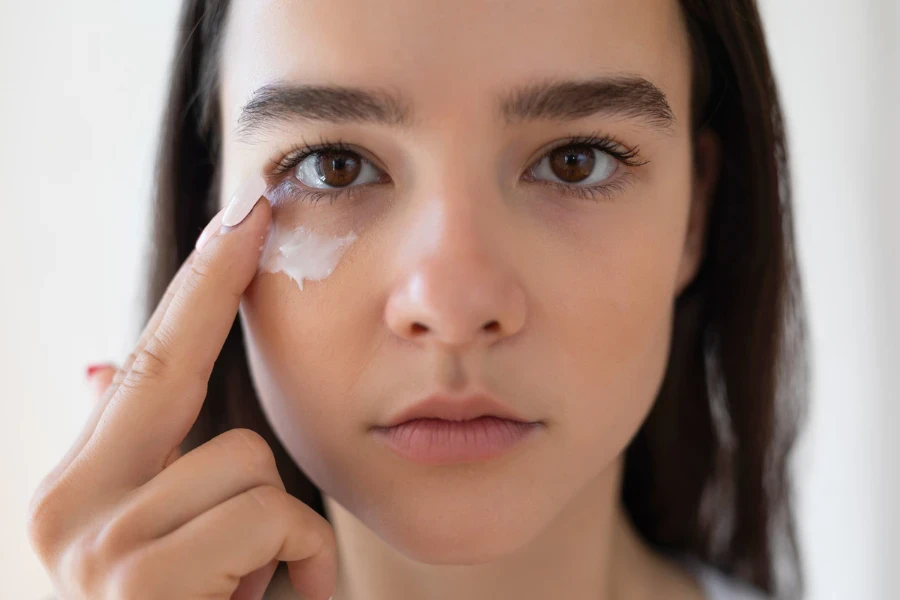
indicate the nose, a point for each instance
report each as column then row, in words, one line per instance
column 456, row 293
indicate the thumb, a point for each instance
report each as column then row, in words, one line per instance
column 99, row 377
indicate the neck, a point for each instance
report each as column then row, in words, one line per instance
column 589, row 551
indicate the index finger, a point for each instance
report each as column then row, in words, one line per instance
column 157, row 402
column 99, row 407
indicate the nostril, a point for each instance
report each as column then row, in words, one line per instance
column 417, row 328
column 491, row 326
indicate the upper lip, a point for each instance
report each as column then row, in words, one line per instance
column 441, row 406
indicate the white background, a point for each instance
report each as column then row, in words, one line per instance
column 82, row 88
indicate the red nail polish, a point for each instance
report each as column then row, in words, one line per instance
column 92, row 369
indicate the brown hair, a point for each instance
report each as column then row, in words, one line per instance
column 707, row 474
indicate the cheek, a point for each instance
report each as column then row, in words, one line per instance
column 610, row 321
column 308, row 339
column 305, row 350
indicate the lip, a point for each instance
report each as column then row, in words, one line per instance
column 443, row 430
column 439, row 406
column 441, row 442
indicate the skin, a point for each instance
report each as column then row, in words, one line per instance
column 583, row 297
column 123, row 514
column 582, row 293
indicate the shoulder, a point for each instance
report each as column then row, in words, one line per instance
column 718, row 586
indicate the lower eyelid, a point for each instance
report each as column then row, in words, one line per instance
column 607, row 190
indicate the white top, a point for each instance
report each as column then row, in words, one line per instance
column 718, row 586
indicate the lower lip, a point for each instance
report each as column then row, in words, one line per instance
column 438, row 441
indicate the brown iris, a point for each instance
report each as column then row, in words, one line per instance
column 338, row 168
column 572, row 163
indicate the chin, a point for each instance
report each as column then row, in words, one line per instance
column 457, row 546
column 448, row 533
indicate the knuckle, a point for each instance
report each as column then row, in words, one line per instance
column 82, row 569
column 115, row 537
column 268, row 499
column 200, row 269
column 152, row 361
column 38, row 532
column 45, row 522
column 37, row 504
column 82, row 561
column 117, row 379
column 133, row 577
column 126, row 366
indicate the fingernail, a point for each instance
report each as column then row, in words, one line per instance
column 208, row 231
column 244, row 200
column 92, row 369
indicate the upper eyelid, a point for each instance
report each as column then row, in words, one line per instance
column 594, row 140
column 313, row 149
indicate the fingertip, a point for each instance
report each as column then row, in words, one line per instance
column 95, row 368
column 244, row 204
column 260, row 214
column 253, row 231
column 257, row 220
column 244, row 200
column 99, row 377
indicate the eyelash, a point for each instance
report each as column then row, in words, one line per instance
column 627, row 156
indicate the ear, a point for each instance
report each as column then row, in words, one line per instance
column 706, row 166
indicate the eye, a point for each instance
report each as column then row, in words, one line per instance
column 335, row 168
column 584, row 167
column 588, row 167
column 576, row 164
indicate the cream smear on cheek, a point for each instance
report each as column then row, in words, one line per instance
column 301, row 253
column 298, row 252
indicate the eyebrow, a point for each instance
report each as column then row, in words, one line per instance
column 627, row 96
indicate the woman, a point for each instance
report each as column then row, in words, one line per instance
column 519, row 314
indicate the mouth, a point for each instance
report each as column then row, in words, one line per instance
column 450, row 408
column 443, row 430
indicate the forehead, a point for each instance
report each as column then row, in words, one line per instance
column 450, row 56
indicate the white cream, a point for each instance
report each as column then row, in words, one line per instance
column 302, row 254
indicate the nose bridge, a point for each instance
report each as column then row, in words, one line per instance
column 461, row 212
column 459, row 209
column 457, row 287
column 459, row 179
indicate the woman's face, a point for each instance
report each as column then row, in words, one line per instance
column 467, row 199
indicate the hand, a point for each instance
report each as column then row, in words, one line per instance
column 124, row 515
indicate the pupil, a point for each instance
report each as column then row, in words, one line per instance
column 573, row 164
column 338, row 170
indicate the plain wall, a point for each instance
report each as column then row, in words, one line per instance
column 82, row 89
column 838, row 67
